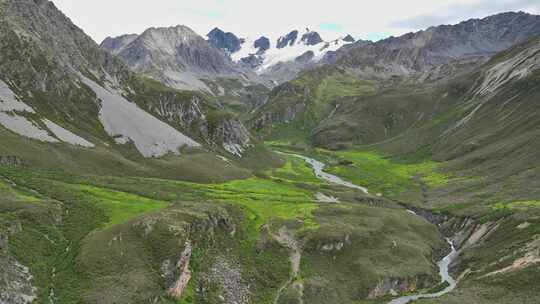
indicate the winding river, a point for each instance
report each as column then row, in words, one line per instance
column 318, row 168
column 444, row 264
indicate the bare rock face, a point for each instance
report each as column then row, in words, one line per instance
column 224, row 41
column 228, row 276
column 311, row 38
column 193, row 116
column 349, row 38
column 16, row 282
column 234, row 136
column 262, row 44
column 395, row 286
column 178, row 288
column 179, row 57
column 287, row 40
column 168, row 52
column 15, row 279
column 11, row 160
column 115, row 45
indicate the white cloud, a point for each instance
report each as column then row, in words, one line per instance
column 456, row 12
column 101, row 18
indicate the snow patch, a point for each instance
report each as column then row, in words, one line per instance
column 124, row 119
column 274, row 55
column 246, row 49
column 67, row 136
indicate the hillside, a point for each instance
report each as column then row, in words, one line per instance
column 55, row 79
column 363, row 77
column 482, row 126
column 166, row 167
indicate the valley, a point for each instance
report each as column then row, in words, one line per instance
column 170, row 167
column 250, row 211
column 236, row 224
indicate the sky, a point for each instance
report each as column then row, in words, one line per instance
column 370, row 20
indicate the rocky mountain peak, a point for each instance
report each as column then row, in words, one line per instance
column 41, row 20
column 115, row 45
column 177, row 56
column 226, row 41
column 311, row 38
column 423, row 53
column 173, row 33
column 288, row 40
column 262, row 44
column 349, row 38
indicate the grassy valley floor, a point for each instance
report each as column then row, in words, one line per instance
column 106, row 239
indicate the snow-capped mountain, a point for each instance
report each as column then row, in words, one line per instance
column 287, row 48
column 281, row 59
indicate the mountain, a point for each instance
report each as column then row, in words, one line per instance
column 349, row 38
column 439, row 51
column 479, row 123
column 231, row 69
column 435, row 55
column 224, row 41
column 165, row 54
column 117, row 45
column 59, row 87
column 181, row 59
column 176, row 56
column 475, row 119
column 289, row 55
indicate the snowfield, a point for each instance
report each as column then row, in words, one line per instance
column 274, row 55
column 126, row 122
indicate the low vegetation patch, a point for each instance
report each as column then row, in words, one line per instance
column 118, row 206
column 386, row 175
column 376, row 171
column 515, row 205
